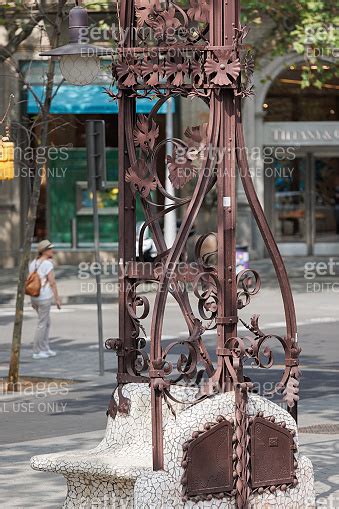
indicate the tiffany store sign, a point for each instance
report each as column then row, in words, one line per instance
column 302, row 133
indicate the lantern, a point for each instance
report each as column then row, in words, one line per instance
column 6, row 159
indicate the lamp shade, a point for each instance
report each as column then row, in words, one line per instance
column 79, row 70
column 80, row 63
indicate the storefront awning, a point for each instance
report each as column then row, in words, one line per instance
column 90, row 99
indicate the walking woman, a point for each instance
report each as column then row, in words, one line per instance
column 44, row 267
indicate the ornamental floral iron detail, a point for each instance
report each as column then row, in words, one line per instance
column 195, row 52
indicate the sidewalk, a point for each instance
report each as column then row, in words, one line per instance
column 77, row 419
column 75, row 288
column 23, row 488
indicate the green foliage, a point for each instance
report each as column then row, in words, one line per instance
column 306, row 27
column 99, row 5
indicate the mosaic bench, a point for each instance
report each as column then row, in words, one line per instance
column 105, row 476
column 118, row 473
column 107, row 472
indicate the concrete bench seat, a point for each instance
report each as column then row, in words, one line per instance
column 105, row 464
column 109, row 471
column 106, row 474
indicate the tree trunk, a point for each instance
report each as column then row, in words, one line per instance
column 13, row 374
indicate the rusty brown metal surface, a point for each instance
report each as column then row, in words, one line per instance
column 206, row 59
column 213, row 459
column 207, row 462
column 272, row 454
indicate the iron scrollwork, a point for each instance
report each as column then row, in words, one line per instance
column 211, row 64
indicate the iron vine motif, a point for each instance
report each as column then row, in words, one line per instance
column 195, row 52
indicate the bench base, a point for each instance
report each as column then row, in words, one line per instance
column 89, row 493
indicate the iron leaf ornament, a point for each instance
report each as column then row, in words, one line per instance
column 199, row 10
column 291, row 392
column 165, row 24
column 144, row 10
column 140, row 180
column 128, row 68
column 181, row 168
column 176, row 70
column 145, row 135
column 152, row 70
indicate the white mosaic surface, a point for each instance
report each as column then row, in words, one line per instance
column 105, row 475
column 158, row 490
column 118, row 472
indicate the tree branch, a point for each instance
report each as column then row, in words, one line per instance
column 14, row 42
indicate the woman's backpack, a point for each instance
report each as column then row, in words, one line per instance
column 33, row 283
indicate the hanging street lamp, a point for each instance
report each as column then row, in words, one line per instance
column 7, row 147
column 6, row 158
column 79, row 61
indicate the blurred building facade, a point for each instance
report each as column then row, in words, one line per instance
column 296, row 133
column 292, row 140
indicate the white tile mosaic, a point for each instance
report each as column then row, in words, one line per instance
column 118, row 472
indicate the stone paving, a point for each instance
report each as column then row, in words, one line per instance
column 76, row 290
column 82, row 424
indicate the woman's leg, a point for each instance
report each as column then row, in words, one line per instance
column 36, row 342
column 42, row 331
column 48, row 325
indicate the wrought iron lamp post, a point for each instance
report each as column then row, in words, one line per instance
column 209, row 62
